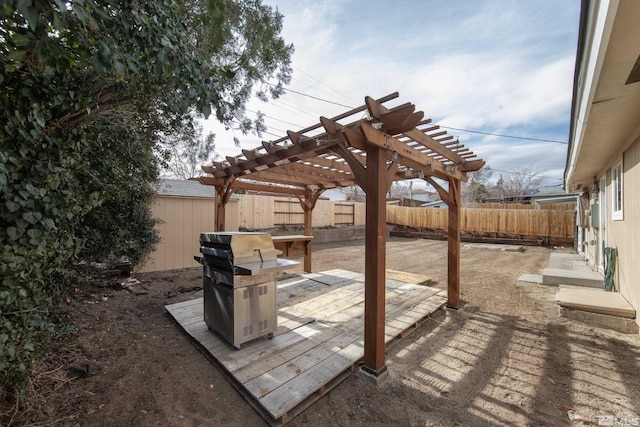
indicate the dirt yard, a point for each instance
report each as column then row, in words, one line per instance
column 505, row 358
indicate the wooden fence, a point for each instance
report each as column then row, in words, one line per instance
column 550, row 206
column 184, row 218
column 258, row 212
column 530, row 222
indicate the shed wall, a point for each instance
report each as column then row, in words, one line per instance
column 183, row 219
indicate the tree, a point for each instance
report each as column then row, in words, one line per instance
column 242, row 38
column 519, row 183
column 86, row 89
column 399, row 190
column 475, row 189
column 186, row 150
column 118, row 170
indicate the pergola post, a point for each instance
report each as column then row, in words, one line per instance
column 223, row 194
column 453, row 243
column 375, row 261
column 308, row 203
column 308, row 231
column 220, row 209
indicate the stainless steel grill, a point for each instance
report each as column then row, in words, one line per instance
column 239, row 284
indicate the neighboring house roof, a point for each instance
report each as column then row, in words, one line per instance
column 337, row 194
column 436, row 204
column 341, row 194
column 183, row 188
column 421, row 197
column 567, row 198
column 550, row 191
column 606, row 98
column 553, row 194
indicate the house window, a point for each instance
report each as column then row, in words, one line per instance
column 616, row 191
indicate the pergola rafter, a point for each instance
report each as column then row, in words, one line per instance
column 390, row 144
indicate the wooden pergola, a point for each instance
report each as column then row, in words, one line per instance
column 370, row 146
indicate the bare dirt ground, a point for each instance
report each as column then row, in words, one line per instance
column 504, row 359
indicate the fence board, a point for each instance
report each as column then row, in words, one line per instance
column 263, row 212
column 344, row 213
column 553, row 223
column 255, row 211
column 324, row 213
column 550, row 206
column 287, row 211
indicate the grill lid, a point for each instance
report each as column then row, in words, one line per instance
column 246, row 254
column 239, row 247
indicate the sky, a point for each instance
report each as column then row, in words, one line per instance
column 493, row 66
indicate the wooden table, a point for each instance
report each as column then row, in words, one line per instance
column 295, row 244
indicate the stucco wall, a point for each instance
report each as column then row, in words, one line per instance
column 625, row 234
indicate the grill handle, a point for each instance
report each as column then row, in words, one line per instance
column 199, row 259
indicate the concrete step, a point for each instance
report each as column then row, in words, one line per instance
column 494, row 247
column 595, row 301
column 597, row 308
column 566, row 261
column 560, row 276
column 565, row 256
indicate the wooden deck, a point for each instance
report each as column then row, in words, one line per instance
column 319, row 340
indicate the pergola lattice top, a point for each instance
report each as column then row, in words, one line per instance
column 332, row 153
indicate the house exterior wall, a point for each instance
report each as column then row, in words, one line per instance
column 625, row 234
column 604, row 129
column 592, row 237
column 597, row 230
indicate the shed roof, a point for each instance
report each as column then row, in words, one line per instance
column 182, row 188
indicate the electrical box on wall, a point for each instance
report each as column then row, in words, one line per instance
column 595, row 215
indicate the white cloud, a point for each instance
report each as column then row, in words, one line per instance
column 494, row 66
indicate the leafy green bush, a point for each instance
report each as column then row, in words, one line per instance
column 86, row 88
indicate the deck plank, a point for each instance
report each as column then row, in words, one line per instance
column 311, row 381
column 403, row 276
column 319, row 340
column 278, row 376
column 284, row 357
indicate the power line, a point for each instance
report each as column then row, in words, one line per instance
column 300, row 109
column 337, row 92
column 273, row 118
column 294, row 110
column 318, row 98
column 445, row 127
column 522, row 173
column 272, row 134
column 505, row 136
